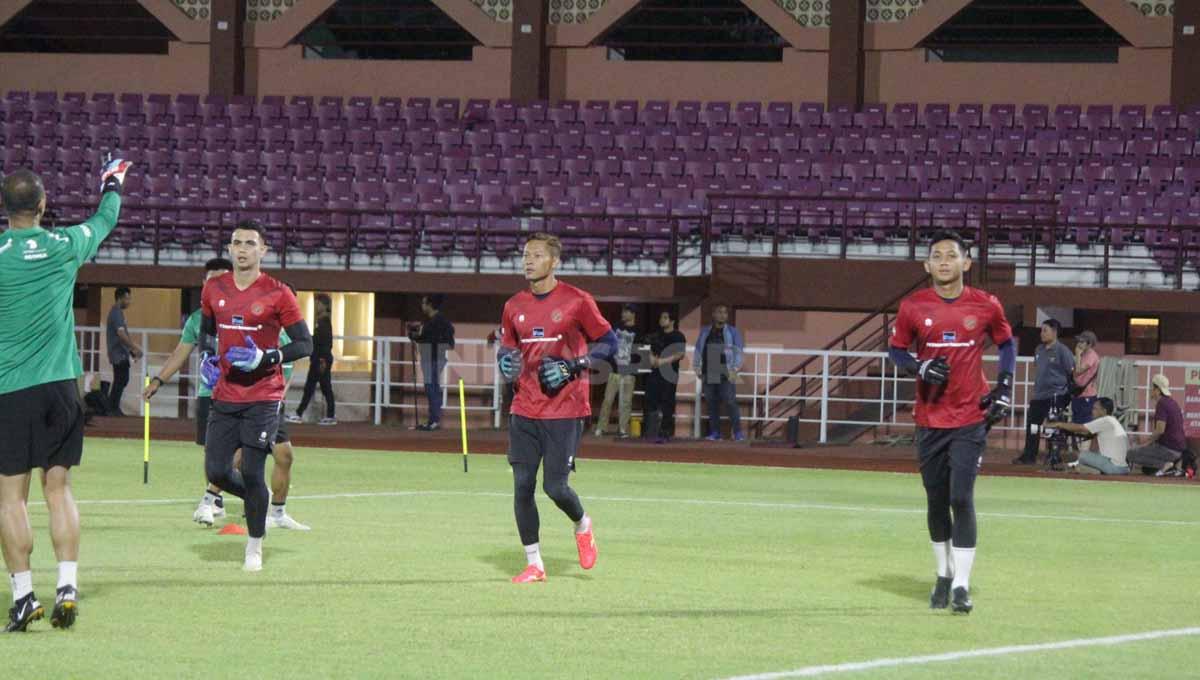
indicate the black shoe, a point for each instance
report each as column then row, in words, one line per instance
column 1022, row 460
column 66, row 607
column 24, row 612
column 962, row 602
column 940, row 597
column 429, row 427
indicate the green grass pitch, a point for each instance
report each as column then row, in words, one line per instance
column 704, row 572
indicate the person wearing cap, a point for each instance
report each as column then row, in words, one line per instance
column 1087, row 366
column 1167, row 441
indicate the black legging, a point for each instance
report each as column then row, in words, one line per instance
column 249, row 483
column 957, row 495
column 315, row 374
column 525, row 507
column 117, row 388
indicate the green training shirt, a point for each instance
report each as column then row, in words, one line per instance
column 38, row 268
column 191, row 335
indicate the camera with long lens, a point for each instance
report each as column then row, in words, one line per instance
column 1056, row 439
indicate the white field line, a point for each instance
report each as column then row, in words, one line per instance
column 680, row 501
column 817, row 671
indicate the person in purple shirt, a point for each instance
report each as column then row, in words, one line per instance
column 1167, row 442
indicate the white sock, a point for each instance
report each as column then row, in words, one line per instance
column 964, row 558
column 533, row 555
column 67, row 572
column 210, row 498
column 22, row 584
column 941, row 555
column 584, row 525
column 278, row 510
column 253, row 545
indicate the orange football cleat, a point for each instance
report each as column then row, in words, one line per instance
column 586, row 542
column 531, row 574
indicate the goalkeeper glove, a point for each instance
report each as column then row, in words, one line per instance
column 210, row 370
column 508, row 360
column 556, row 372
column 998, row 402
column 112, row 177
column 934, row 371
column 250, row 357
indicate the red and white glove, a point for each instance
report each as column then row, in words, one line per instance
column 112, row 177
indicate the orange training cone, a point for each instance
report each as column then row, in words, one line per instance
column 232, row 530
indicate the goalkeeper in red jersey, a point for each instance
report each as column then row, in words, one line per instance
column 544, row 350
column 950, row 323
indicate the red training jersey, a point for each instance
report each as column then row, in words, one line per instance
column 955, row 330
column 560, row 324
column 259, row 312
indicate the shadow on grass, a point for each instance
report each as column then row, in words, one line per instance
column 232, row 551
column 509, row 562
column 904, row 585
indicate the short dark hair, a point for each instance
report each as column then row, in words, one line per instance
column 324, row 299
column 551, row 241
column 218, row 264
column 122, row 292
column 435, row 300
column 1053, row 323
column 949, row 235
column 1106, row 404
column 21, row 193
column 629, row 308
column 720, row 305
column 252, row 225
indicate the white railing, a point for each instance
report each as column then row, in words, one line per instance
column 389, row 381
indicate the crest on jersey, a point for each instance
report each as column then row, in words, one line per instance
column 257, row 309
column 539, row 332
column 556, row 316
column 970, row 323
column 949, row 336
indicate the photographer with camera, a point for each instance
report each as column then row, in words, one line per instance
column 433, row 339
column 1109, row 434
column 1055, row 366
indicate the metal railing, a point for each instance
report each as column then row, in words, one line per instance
column 392, row 384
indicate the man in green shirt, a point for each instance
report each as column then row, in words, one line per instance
column 41, row 419
column 212, row 505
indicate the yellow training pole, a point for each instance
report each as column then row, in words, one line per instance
column 146, row 440
column 462, row 416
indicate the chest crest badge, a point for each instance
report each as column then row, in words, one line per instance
column 970, row 323
column 556, row 316
column 256, row 309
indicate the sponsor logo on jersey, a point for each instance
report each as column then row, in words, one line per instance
column 928, row 323
column 539, row 332
column 521, row 318
column 221, row 303
column 949, row 336
column 238, row 320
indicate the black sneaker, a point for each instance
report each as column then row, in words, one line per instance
column 429, row 427
column 24, row 612
column 962, row 602
column 940, row 597
column 66, row 607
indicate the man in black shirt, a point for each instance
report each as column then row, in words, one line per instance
column 667, row 349
column 433, row 338
column 320, row 367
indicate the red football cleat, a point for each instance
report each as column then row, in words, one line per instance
column 531, row 575
column 586, row 542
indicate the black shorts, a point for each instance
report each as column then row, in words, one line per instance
column 555, row 441
column 942, row 450
column 232, row 426
column 41, row 427
column 204, row 407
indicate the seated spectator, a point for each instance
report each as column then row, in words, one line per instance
column 1109, row 434
column 1167, row 442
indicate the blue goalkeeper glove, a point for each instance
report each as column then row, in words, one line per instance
column 210, row 370
column 508, row 360
column 556, row 372
column 112, row 177
column 250, row 357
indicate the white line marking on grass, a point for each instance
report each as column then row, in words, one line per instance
column 815, row 671
column 680, row 501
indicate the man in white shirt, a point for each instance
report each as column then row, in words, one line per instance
column 1109, row 434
